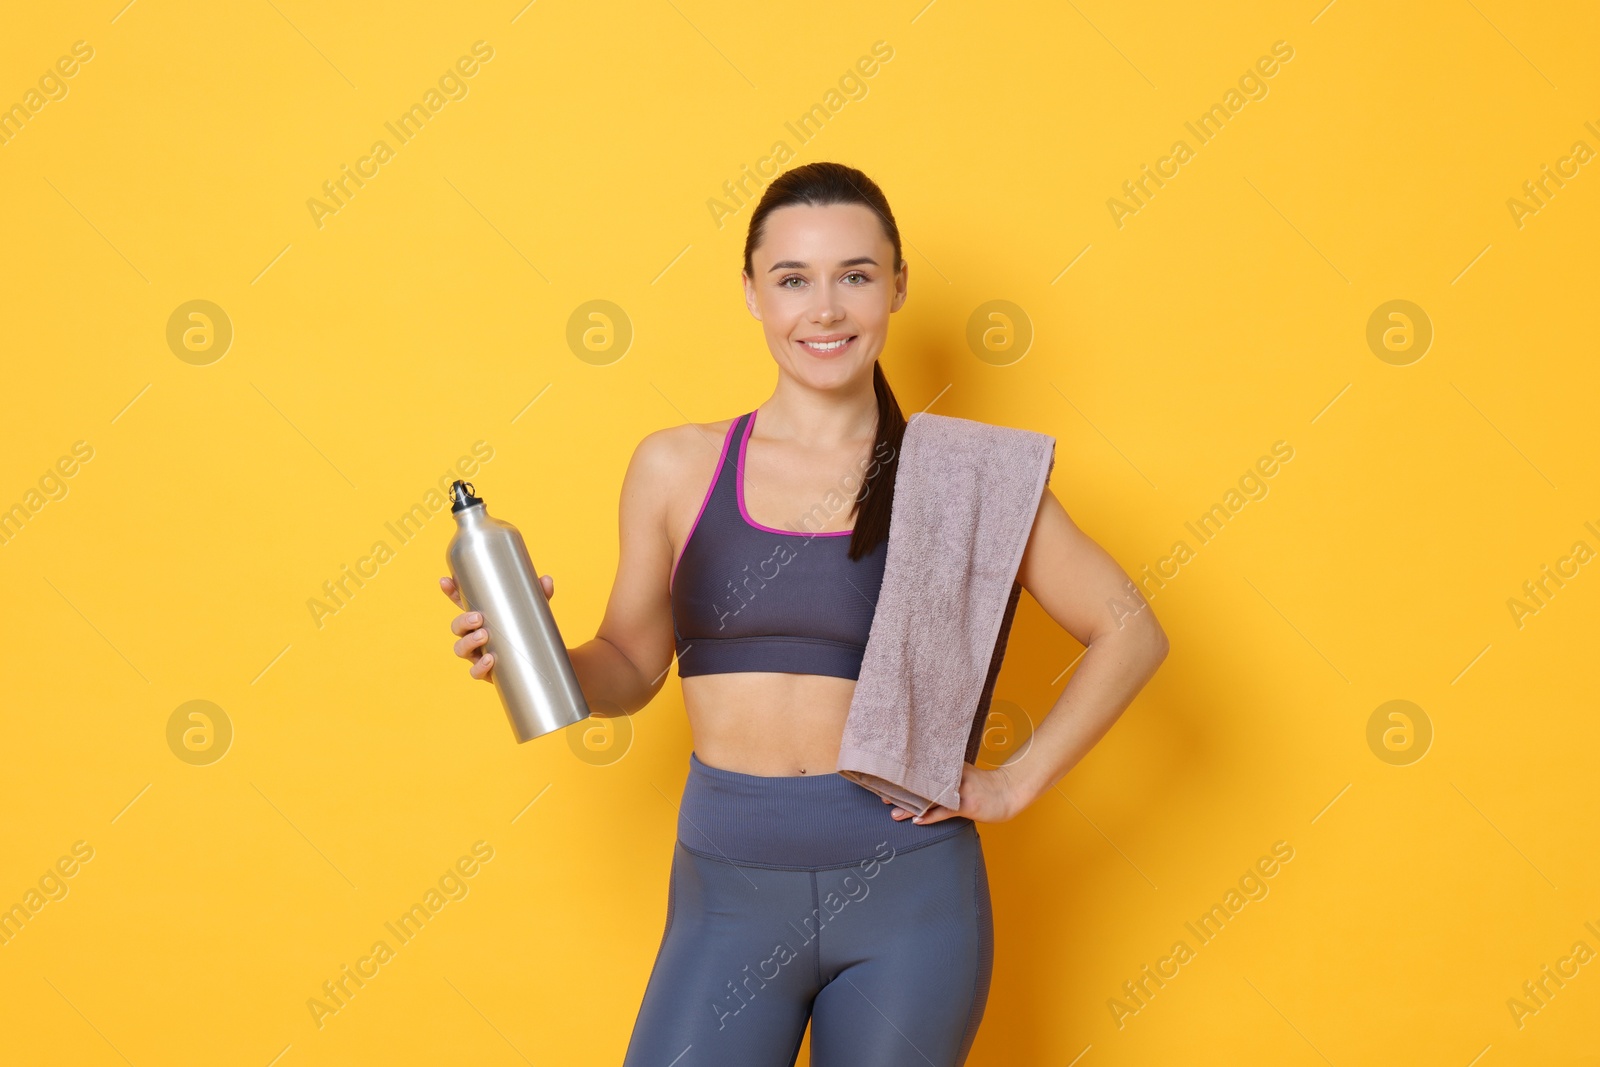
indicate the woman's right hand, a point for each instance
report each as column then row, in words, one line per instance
column 469, row 627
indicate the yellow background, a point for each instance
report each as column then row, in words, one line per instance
column 369, row 354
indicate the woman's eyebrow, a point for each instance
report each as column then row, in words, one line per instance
column 792, row 264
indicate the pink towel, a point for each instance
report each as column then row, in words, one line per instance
column 965, row 498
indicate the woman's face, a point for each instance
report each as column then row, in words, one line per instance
column 824, row 274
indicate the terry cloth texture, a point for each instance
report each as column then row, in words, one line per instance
column 965, row 497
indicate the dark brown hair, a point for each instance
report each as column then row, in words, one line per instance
column 819, row 185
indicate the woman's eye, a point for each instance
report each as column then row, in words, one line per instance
column 796, row 278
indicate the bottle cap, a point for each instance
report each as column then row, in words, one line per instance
column 463, row 495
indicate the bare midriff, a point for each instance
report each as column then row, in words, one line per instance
column 776, row 725
column 763, row 722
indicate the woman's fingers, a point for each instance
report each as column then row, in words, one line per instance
column 468, row 626
column 483, row 666
column 472, row 634
column 470, row 647
column 471, row 641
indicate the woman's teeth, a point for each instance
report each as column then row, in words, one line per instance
column 831, row 346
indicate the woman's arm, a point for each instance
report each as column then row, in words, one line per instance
column 1083, row 589
column 626, row 663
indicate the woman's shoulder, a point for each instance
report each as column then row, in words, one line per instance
column 683, row 451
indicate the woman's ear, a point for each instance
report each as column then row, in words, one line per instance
column 750, row 296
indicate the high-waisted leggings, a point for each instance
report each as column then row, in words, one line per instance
column 797, row 899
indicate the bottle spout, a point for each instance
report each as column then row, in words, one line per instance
column 463, row 495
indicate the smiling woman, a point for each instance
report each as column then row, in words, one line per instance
column 768, row 617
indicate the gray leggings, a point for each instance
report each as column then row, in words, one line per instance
column 799, row 898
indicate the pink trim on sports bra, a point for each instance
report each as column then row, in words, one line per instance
column 721, row 457
column 738, row 484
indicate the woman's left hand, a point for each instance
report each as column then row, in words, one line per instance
column 986, row 796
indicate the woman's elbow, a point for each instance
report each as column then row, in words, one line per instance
column 1151, row 638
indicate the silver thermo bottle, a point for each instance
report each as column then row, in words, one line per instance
column 491, row 568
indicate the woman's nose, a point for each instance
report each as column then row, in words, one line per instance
column 826, row 309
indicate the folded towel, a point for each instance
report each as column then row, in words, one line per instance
column 965, row 497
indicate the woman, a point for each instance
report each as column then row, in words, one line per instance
column 794, row 895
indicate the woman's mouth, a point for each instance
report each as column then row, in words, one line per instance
column 826, row 349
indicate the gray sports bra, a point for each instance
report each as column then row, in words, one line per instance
column 747, row 597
